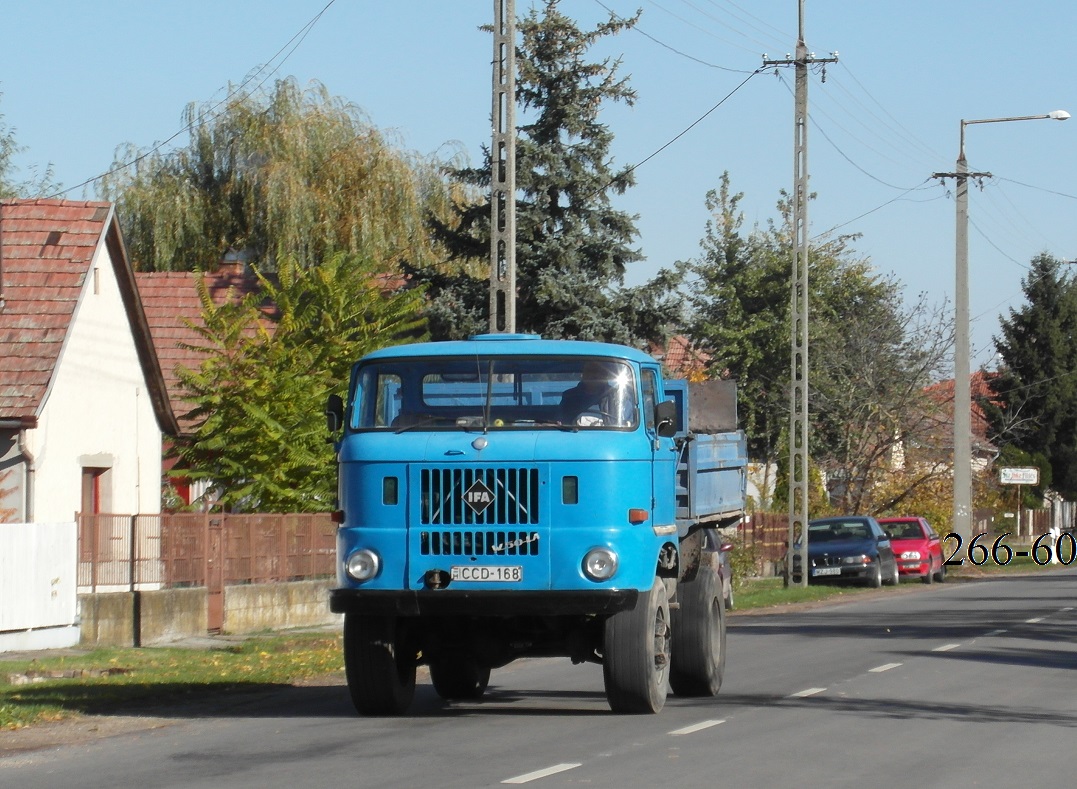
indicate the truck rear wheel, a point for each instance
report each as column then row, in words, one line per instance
column 635, row 666
column 698, row 638
column 378, row 664
column 459, row 679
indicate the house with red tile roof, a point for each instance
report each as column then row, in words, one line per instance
column 83, row 402
column 983, row 451
column 680, row 358
column 174, row 315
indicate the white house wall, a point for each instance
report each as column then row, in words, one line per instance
column 97, row 412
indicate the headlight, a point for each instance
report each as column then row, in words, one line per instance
column 363, row 564
column 600, row 564
column 861, row 559
column 910, row 555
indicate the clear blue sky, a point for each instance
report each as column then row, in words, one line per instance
column 78, row 79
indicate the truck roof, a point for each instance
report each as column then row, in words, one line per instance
column 511, row 345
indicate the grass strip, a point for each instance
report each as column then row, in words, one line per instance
column 118, row 681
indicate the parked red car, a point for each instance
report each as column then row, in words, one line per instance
column 917, row 548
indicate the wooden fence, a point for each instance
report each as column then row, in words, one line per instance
column 766, row 534
column 172, row 550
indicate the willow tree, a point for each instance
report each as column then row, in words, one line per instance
column 285, row 173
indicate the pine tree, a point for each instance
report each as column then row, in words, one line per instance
column 572, row 246
column 1036, row 388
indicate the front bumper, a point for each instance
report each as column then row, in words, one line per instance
column 480, row 602
column 915, row 568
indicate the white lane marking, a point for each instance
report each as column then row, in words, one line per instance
column 527, row 777
column 1034, row 620
column 883, row 667
column 996, row 632
column 1067, row 608
column 801, row 694
column 695, row 727
column 945, row 647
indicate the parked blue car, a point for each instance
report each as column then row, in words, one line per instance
column 848, row 548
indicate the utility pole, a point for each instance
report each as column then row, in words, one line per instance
column 503, row 172
column 962, row 458
column 798, row 398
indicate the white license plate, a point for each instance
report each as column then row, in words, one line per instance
column 488, row 573
column 826, row 571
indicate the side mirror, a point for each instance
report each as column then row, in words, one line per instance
column 334, row 413
column 665, row 418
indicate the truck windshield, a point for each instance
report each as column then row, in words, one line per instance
column 495, row 393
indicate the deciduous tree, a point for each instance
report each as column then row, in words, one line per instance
column 39, row 184
column 261, row 389
column 870, row 356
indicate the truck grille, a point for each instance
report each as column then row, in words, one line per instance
column 479, row 543
column 509, row 496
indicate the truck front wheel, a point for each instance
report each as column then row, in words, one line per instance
column 635, row 666
column 698, row 637
column 379, row 665
column 459, row 679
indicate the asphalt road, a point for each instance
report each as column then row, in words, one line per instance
column 955, row 685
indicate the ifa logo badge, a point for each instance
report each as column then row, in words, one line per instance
column 478, row 497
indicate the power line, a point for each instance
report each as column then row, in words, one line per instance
column 877, row 208
column 671, row 48
column 301, row 35
column 1039, row 188
column 736, row 30
column 842, row 153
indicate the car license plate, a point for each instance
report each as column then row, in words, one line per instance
column 488, row 573
column 826, row 571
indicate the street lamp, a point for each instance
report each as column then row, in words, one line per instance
column 962, row 373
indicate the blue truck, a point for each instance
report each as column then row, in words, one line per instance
column 506, row 496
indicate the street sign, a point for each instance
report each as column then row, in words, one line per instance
column 1010, row 475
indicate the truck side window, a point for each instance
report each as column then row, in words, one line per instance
column 650, row 397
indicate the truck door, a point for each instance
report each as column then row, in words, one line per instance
column 663, row 455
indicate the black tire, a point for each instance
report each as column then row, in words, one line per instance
column 459, row 678
column 379, row 666
column 636, row 651
column 698, row 643
column 940, row 576
column 929, row 576
column 875, row 576
column 895, row 576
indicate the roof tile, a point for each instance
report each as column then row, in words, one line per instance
column 45, row 251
